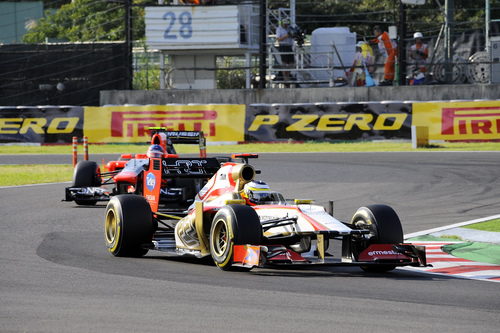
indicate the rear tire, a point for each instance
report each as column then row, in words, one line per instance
column 385, row 228
column 128, row 225
column 233, row 225
column 86, row 174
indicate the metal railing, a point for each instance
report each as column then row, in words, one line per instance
column 308, row 69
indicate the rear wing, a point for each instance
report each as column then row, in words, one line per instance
column 185, row 136
column 190, row 167
column 182, row 137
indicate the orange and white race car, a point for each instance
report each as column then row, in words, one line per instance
column 240, row 222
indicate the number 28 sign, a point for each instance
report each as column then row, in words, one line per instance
column 192, row 27
column 184, row 22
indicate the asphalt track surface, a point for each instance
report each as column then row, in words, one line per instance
column 56, row 275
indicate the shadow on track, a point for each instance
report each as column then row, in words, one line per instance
column 86, row 250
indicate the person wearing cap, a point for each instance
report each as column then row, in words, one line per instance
column 363, row 60
column 285, row 43
column 388, row 49
column 419, row 52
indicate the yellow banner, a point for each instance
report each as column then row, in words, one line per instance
column 113, row 124
column 454, row 121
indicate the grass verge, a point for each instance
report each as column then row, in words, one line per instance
column 493, row 225
column 13, row 175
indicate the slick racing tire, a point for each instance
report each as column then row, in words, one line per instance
column 128, row 225
column 233, row 225
column 385, row 228
column 86, row 174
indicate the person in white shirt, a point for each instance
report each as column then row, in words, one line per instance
column 285, row 46
column 363, row 61
column 419, row 52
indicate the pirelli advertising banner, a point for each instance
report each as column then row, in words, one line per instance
column 329, row 121
column 40, row 124
column 114, row 124
column 455, row 121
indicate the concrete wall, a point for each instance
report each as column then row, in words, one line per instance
column 304, row 95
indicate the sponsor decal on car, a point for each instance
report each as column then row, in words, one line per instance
column 381, row 253
column 150, row 181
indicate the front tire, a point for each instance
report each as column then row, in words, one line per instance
column 128, row 225
column 233, row 225
column 385, row 228
column 86, row 174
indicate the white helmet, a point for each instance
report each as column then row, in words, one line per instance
column 258, row 192
column 417, row 35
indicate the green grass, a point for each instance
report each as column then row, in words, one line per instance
column 452, row 237
column 11, row 175
column 493, row 225
column 371, row 146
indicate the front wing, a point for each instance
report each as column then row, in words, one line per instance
column 83, row 194
column 376, row 254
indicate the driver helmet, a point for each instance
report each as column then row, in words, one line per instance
column 155, row 151
column 258, row 192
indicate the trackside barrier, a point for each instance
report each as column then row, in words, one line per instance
column 40, row 124
column 130, row 123
column 203, row 145
column 419, row 136
column 74, row 144
column 477, row 120
column 85, row 148
column 328, row 121
column 459, row 120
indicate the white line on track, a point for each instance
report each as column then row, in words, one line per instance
column 456, row 225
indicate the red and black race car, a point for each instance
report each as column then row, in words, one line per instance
column 240, row 222
column 126, row 175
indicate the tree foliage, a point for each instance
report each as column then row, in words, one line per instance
column 87, row 20
column 101, row 20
